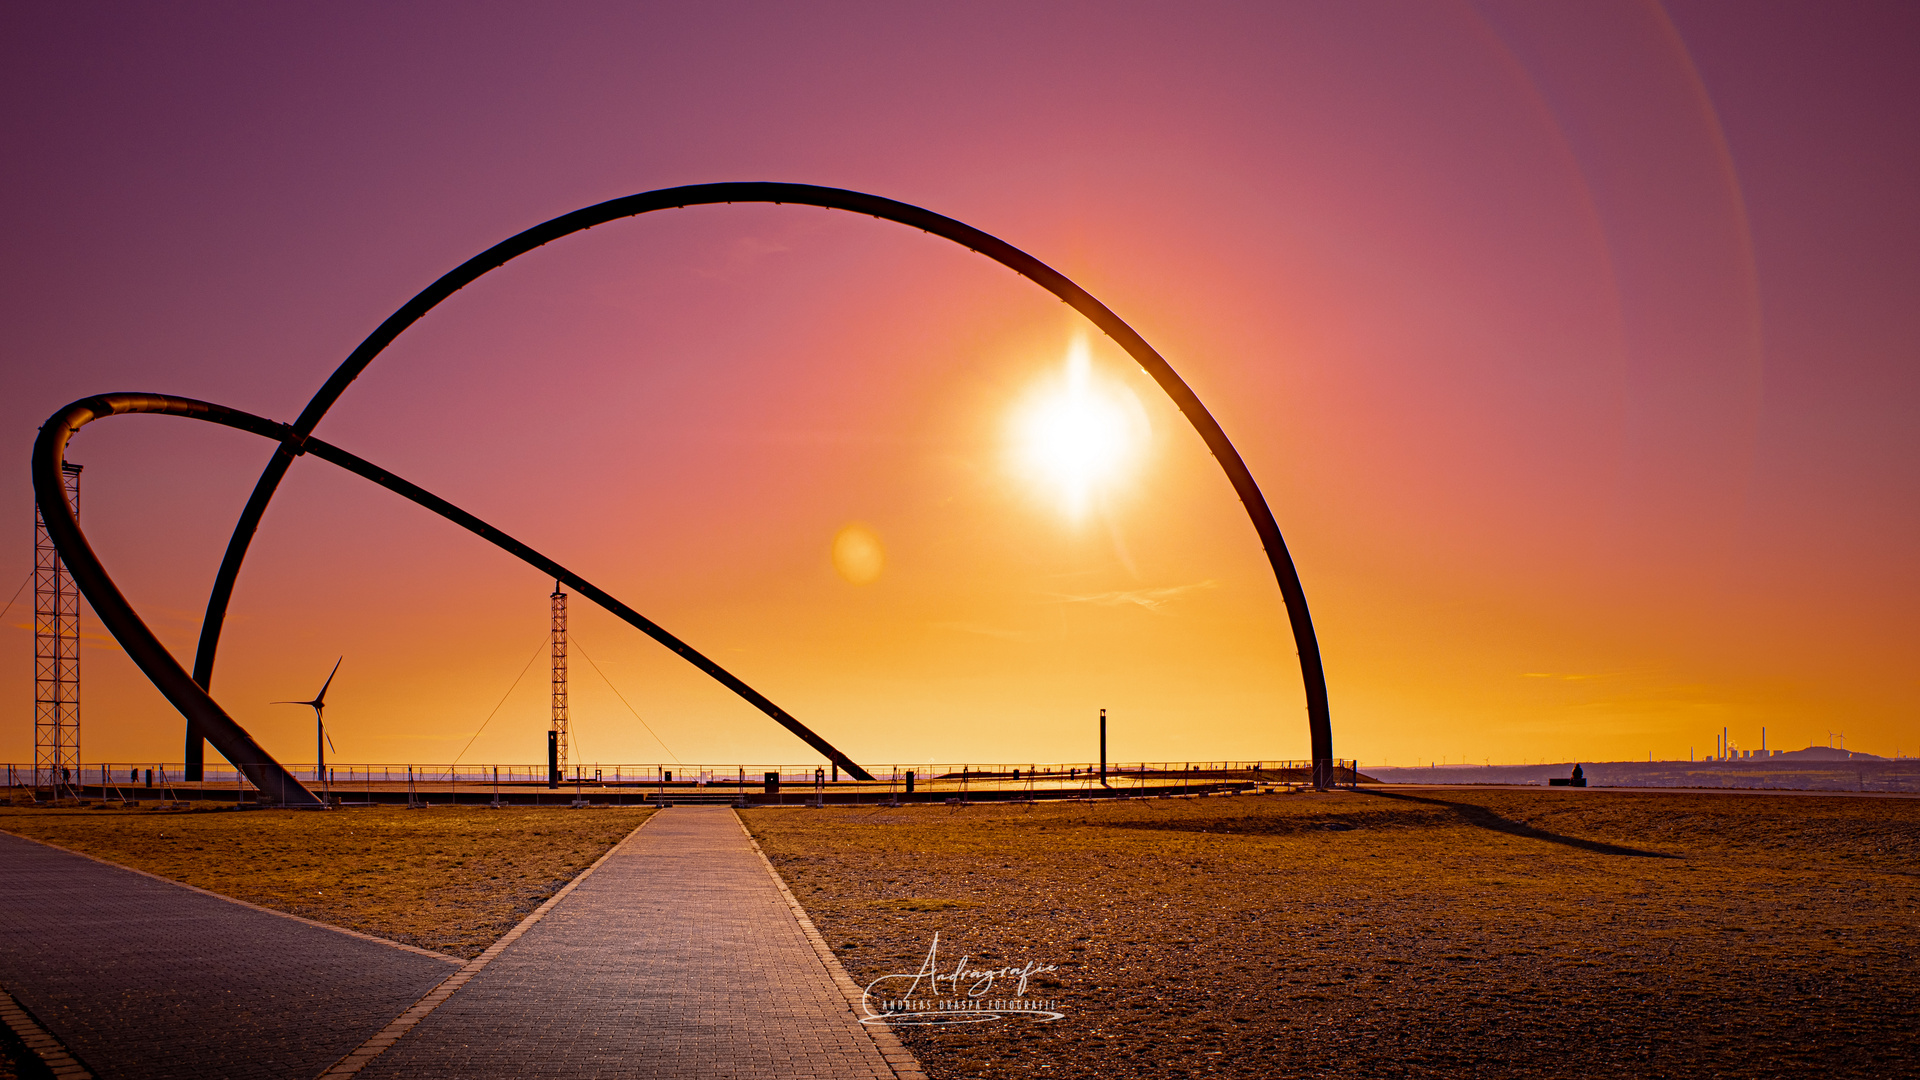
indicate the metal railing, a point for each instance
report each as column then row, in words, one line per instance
column 785, row 782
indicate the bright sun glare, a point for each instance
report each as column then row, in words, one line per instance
column 1078, row 436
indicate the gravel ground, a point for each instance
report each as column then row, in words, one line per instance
column 1398, row 933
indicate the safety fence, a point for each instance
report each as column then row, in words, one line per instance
column 384, row 782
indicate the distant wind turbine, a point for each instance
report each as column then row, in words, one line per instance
column 321, row 740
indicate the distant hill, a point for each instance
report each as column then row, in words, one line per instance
column 1826, row 753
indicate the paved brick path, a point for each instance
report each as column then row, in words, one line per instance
column 143, row 978
column 678, row 957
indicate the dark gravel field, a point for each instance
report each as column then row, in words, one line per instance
column 1413, row 932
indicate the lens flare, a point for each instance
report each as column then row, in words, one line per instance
column 1078, row 436
column 857, row 555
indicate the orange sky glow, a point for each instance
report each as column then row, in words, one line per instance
column 1573, row 350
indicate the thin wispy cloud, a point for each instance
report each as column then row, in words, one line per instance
column 1641, row 691
column 1151, row 599
column 983, row 630
column 92, row 639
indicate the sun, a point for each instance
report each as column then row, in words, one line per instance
column 1078, row 437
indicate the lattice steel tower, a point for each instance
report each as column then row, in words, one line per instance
column 56, row 654
column 560, row 675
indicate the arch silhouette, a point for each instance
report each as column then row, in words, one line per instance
column 294, row 438
column 204, row 715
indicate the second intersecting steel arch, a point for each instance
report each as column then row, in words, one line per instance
column 1318, row 719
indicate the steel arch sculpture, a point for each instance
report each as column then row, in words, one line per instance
column 204, row 715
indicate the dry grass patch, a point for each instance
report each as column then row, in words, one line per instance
column 1420, row 933
column 445, row 878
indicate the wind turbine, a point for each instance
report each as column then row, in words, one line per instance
column 321, row 740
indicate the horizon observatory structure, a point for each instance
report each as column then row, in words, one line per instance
column 190, row 692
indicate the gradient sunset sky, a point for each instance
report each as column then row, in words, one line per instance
column 1573, row 345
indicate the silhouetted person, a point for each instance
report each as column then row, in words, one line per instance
column 1578, row 777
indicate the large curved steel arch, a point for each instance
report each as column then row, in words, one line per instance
column 1313, row 676
column 203, row 714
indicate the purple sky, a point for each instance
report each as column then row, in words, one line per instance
column 1574, row 346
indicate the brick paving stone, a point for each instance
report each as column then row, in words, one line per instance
column 677, row 957
column 142, row 978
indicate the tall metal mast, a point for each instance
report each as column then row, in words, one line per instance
column 560, row 674
column 56, row 653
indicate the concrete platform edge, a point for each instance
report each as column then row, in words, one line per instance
column 38, row 1040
